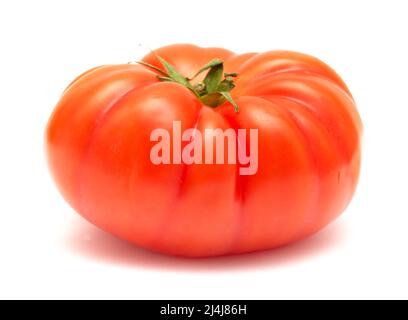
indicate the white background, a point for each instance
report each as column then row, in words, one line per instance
column 48, row 251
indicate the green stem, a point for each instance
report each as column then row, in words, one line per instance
column 213, row 91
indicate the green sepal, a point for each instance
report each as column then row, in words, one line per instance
column 212, row 64
column 153, row 68
column 173, row 74
column 228, row 97
column 226, row 86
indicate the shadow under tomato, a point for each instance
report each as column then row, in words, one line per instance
column 88, row 241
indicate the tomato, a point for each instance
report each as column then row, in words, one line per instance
column 309, row 149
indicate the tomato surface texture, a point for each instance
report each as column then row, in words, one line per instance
column 309, row 140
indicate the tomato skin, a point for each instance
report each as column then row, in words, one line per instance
column 98, row 149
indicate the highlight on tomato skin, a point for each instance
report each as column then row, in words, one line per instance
column 131, row 149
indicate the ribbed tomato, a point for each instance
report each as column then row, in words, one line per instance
column 309, row 146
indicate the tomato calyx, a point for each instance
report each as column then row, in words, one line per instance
column 213, row 91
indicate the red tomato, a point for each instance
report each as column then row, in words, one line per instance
column 98, row 147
